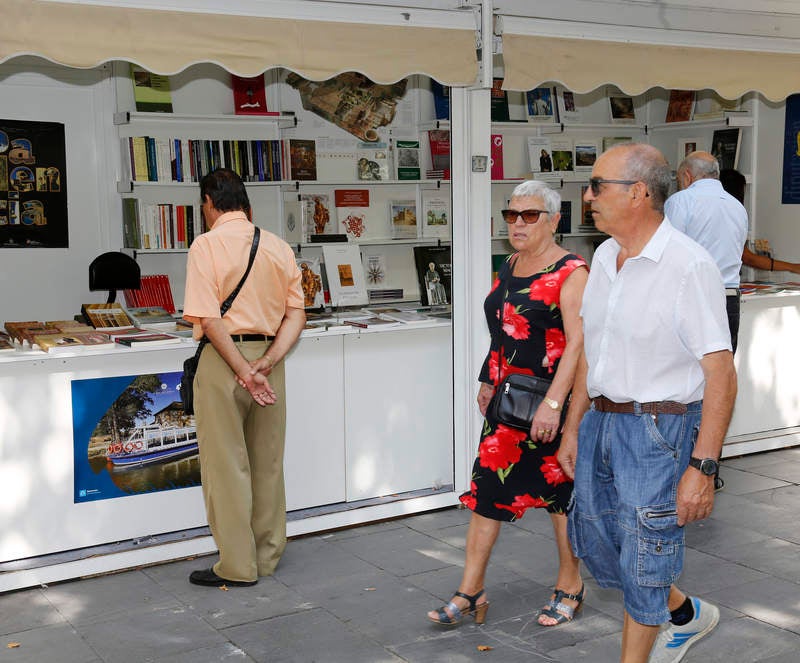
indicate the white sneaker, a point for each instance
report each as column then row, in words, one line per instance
column 674, row 641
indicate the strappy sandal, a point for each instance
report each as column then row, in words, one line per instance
column 559, row 611
column 456, row 614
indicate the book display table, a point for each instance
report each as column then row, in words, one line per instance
column 369, row 436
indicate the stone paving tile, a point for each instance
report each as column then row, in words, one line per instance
column 745, row 639
column 786, row 497
column 703, row 573
column 786, row 470
column 48, row 644
column 108, row 597
column 362, row 530
column 436, row 520
column 313, row 635
column 769, row 600
column 443, row 582
column 145, row 636
column 20, row 611
column 773, row 556
column 313, row 560
column 713, row 535
column 224, row 653
column 739, row 482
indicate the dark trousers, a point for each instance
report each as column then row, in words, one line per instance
column 732, row 307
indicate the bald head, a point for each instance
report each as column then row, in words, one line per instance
column 645, row 163
column 697, row 166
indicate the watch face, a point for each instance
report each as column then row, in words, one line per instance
column 708, row 467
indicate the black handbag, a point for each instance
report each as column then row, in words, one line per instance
column 186, row 387
column 516, row 399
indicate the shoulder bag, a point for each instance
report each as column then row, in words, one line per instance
column 190, row 365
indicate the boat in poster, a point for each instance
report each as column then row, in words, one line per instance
column 153, row 444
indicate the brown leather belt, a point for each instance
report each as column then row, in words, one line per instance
column 238, row 338
column 603, row 404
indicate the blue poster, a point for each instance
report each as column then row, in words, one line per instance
column 791, row 151
column 131, row 436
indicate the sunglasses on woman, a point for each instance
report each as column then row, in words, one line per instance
column 529, row 216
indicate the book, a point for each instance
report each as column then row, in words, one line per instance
column 441, row 100
column 371, row 322
column 680, row 106
column 568, row 111
column 150, row 91
column 149, row 339
column 315, row 209
column 434, row 274
column 6, row 344
column 249, row 95
column 403, row 219
column 499, row 101
column 176, row 328
column 710, row 106
column 435, row 217
column 345, row 274
column 106, row 316
column 352, row 206
column 587, row 220
column 439, row 145
column 14, row 328
column 372, row 164
column 311, row 282
column 405, row 316
column 539, row 105
column 610, row 141
column 622, row 110
column 147, row 315
column 496, row 157
column 292, row 219
column 407, row 155
column 540, row 154
column 565, row 222
column 375, row 269
column 54, row 343
column 725, row 146
column 563, row 155
column 302, row 159
column 686, row 146
column 585, row 154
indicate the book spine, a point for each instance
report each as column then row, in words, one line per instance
column 152, row 163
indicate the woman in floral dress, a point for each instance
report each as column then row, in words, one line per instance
column 532, row 312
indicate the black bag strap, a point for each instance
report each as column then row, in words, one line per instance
column 226, row 305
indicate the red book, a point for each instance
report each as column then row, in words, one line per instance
column 249, row 96
column 497, row 157
column 439, row 141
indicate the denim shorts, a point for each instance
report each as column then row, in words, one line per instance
column 622, row 521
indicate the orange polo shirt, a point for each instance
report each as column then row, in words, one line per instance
column 218, row 259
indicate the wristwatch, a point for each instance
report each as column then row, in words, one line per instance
column 707, row 466
column 554, row 404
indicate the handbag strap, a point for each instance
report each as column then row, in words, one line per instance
column 509, row 273
column 226, row 305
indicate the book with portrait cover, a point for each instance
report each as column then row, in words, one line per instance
column 680, row 106
column 302, row 159
column 434, row 274
column 499, row 101
column 725, row 146
column 539, row 104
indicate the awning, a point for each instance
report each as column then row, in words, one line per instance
column 166, row 42
column 636, row 60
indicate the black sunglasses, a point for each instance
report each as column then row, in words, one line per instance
column 529, row 216
column 595, row 182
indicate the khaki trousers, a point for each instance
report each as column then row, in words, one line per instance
column 241, row 465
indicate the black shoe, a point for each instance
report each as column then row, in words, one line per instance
column 208, row 578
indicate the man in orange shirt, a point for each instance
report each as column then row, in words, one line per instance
column 239, row 386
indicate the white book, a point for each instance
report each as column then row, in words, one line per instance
column 568, row 111
column 403, row 219
column 345, row 274
column 436, row 214
column 540, row 154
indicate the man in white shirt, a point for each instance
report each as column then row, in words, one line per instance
column 657, row 358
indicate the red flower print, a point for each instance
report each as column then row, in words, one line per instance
column 468, row 501
column 571, row 265
column 547, row 289
column 495, row 284
column 509, row 369
column 552, row 471
column 514, row 324
column 554, row 343
column 521, row 504
column 500, row 450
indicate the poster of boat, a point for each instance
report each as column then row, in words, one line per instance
column 131, row 436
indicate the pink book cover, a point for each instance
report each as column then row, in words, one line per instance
column 497, row 157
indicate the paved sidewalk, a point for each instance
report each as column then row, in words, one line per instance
column 360, row 595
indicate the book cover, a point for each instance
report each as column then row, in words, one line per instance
column 499, row 101
column 249, row 95
column 710, row 106
column 59, row 342
column 539, row 105
column 622, row 110
column 315, row 210
column 441, row 100
column 345, row 274
column 686, row 146
column 439, row 144
column 435, row 214
column 407, row 155
column 311, row 282
column 680, row 106
column 434, row 274
column 568, row 111
column 375, row 270
column 403, row 219
column 150, row 91
column 587, row 221
column 725, row 147
column 563, row 155
column 176, row 328
column 540, row 154
column 146, row 315
column 352, row 207
column 565, row 222
column 292, row 219
column 610, row 141
column 496, row 157
column 14, row 328
column 6, row 344
column 371, row 322
column 302, row 159
column 372, row 164
column 585, row 154
column 149, row 339
column 106, row 316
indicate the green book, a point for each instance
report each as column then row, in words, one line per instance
column 150, row 91
column 408, row 160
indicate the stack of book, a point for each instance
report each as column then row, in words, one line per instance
column 155, row 290
column 52, row 336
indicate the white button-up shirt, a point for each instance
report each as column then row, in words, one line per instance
column 715, row 220
column 647, row 326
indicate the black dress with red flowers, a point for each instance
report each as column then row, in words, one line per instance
column 513, row 473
